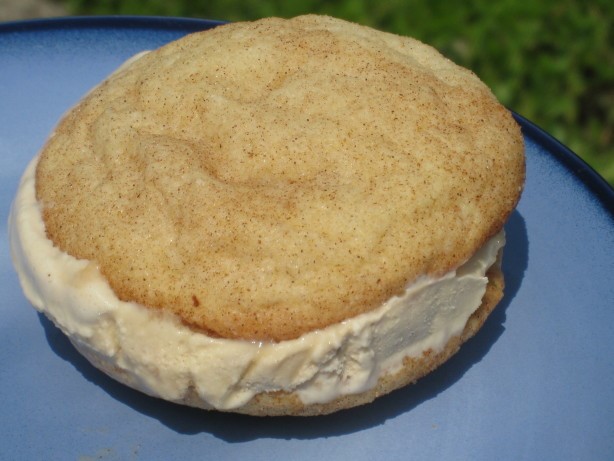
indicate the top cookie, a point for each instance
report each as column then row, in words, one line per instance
column 261, row 180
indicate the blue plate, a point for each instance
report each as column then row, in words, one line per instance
column 535, row 383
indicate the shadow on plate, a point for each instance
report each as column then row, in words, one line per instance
column 239, row 428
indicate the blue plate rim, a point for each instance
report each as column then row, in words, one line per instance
column 111, row 21
column 601, row 189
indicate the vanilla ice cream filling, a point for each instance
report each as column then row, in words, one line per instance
column 162, row 357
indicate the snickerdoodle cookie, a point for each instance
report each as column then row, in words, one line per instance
column 273, row 217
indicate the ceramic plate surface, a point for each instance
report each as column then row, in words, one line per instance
column 535, row 383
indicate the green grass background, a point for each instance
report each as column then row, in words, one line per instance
column 551, row 61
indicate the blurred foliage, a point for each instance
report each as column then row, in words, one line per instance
column 552, row 61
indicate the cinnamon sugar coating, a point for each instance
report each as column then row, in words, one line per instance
column 262, row 180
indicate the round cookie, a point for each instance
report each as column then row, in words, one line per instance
column 262, row 180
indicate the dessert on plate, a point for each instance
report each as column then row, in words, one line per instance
column 272, row 217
